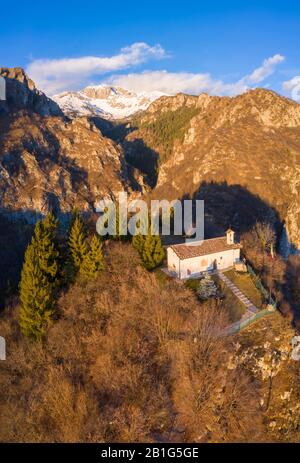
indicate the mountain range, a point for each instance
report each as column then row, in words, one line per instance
column 105, row 101
column 249, row 143
column 241, row 154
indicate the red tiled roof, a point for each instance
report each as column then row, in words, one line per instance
column 211, row 246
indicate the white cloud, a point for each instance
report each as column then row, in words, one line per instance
column 194, row 83
column 55, row 75
column 292, row 87
column 164, row 81
column 264, row 71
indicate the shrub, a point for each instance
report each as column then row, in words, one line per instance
column 207, row 288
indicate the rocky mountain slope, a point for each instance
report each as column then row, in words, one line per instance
column 105, row 101
column 249, row 143
column 182, row 383
column 21, row 93
column 49, row 161
column 240, row 154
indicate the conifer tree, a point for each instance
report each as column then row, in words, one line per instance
column 36, row 294
column 51, row 225
column 73, row 217
column 138, row 239
column 39, row 279
column 153, row 252
column 93, row 262
column 138, row 242
column 46, row 250
column 118, row 236
column 77, row 243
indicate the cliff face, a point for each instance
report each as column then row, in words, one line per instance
column 252, row 140
column 48, row 161
column 249, row 143
column 21, row 93
column 269, row 352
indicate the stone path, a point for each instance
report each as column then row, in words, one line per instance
column 250, row 307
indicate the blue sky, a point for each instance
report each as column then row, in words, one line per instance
column 187, row 45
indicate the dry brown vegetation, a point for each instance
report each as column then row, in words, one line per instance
column 279, row 275
column 130, row 358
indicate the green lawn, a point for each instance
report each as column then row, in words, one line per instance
column 245, row 283
column 231, row 304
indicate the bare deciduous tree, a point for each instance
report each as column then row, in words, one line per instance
column 266, row 235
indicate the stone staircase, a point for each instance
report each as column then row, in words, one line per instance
column 250, row 307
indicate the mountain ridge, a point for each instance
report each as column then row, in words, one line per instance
column 48, row 161
column 174, row 148
column 109, row 102
column 22, row 94
column 252, row 140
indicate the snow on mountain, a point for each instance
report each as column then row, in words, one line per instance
column 104, row 101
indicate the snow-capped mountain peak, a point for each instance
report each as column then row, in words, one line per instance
column 105, row 101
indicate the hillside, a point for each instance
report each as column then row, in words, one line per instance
column 48, row 161
column 134, row 358
column 248, row 146
column 250, row 142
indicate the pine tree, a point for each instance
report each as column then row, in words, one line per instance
column 39, row 280
column 77, row 243
column 138, row 242
column 46, row 250
column 74, row 216
column 153, row 252
column 93, row 262
column 118, row 236
column 51, row 225
column 36, row 297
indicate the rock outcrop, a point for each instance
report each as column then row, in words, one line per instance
column 21, row 93
column 48, row 161
column 178, row 146
column 252, row 140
